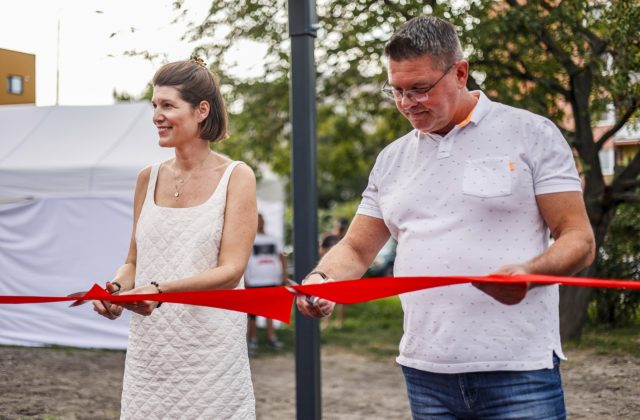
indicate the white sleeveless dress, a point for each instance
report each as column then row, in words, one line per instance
column 185, row 362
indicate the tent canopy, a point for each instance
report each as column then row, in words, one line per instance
column 75, row 151
column 67, row 179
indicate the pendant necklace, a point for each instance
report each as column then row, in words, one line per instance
column 179, row 184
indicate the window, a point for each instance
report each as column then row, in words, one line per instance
column 607, row 161
column 15, row 85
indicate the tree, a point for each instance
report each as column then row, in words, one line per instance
column 567, row 60
column 354, row 123
column 620, row 258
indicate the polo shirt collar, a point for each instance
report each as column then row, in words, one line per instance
column 482, row 108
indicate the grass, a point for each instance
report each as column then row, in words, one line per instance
column 375, row 329
column 607, row 340
column 372, row 328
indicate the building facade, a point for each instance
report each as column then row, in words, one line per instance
column 618, row 151
column 18, row 77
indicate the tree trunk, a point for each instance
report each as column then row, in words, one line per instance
column 574, row 302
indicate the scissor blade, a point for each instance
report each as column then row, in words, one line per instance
column 291, row 289
column 77, row 302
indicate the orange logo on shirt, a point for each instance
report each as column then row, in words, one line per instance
column 511, row 166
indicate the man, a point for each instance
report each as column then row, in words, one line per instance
column 474, row 189
column 267, row 266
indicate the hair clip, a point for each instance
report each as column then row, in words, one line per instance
column 199, row 61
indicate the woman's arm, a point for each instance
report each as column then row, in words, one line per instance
column 125, row 275
column 238, row 234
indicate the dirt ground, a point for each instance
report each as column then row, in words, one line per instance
column 49, row 383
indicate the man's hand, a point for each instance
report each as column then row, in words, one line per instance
column 313, row 306
column 509, row 294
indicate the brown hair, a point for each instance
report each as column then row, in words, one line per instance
column 196, row 83
column 425, row 36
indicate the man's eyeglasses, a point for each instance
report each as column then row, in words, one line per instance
column 415, row 95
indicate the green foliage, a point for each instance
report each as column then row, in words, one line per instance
column 546, row 58
column 128, row 97
column 354, row 123
column 327, row 217
column 259, row 126
column 122, row 96
column 370, row 328
column 604, row 340
column 620, row 259
column 574, row 56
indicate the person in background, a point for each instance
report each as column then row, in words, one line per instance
column 475, row 188
column 195, row 219
column 340, row 227
column 327, row 243
column 267, row 267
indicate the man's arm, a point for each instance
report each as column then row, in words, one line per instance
column 572, row 250
column 348, row 259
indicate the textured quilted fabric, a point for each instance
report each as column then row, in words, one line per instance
column 185, row 362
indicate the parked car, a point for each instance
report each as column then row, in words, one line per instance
column 382, row 265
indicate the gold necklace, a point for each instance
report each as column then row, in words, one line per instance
column 179, row 184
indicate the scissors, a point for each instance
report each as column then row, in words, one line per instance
column 82, row 302
column 311, row 300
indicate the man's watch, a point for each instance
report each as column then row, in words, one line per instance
column 320, row 273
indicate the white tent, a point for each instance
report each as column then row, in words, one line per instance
column 67, row 176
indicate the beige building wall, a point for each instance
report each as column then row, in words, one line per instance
column 17, row 77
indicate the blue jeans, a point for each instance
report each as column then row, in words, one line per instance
column 534, row 394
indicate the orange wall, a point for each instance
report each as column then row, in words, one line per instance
column 18, row 64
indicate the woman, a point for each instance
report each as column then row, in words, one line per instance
column 195, row 219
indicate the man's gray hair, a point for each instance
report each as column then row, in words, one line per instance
column 425, row 36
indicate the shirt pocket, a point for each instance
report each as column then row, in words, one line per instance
column 488, row 177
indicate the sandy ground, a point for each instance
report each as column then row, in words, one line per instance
column 45, row 383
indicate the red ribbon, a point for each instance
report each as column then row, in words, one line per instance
column 275, row 302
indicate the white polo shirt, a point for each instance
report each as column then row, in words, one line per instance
column 464, row 204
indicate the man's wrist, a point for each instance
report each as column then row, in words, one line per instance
column 317, row 273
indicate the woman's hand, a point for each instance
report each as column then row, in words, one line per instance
column 142, row 307
column 108, row 309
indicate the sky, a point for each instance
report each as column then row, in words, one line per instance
column 94, row 34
